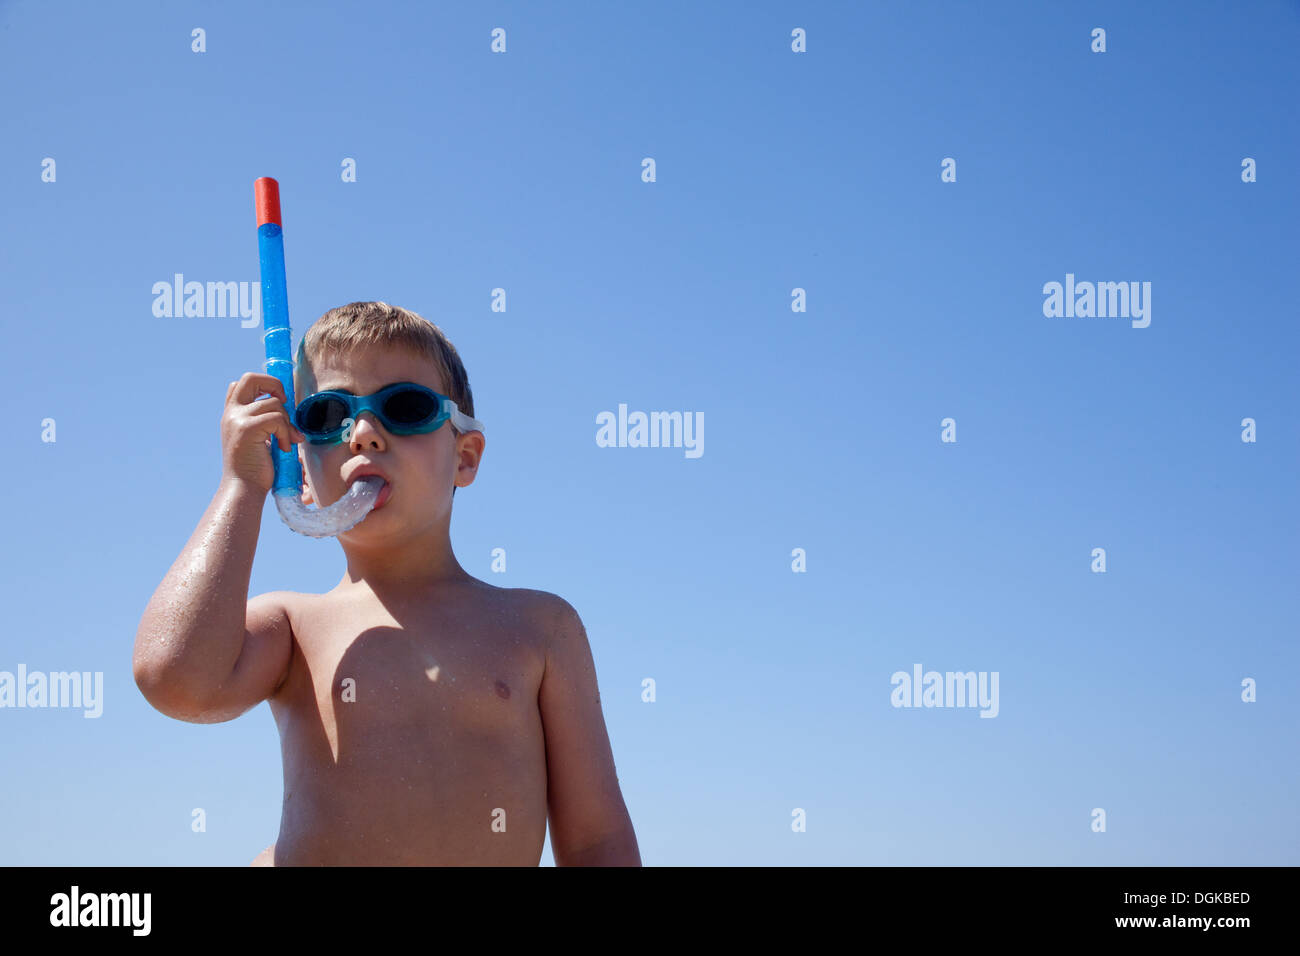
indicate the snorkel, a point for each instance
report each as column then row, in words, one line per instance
column 348, row 511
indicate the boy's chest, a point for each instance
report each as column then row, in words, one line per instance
column 372, row 670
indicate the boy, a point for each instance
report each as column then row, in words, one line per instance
column 425, row 717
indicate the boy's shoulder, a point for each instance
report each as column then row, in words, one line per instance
column 543, row 607
column 549, row 616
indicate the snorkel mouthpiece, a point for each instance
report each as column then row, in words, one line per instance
column 348, row 511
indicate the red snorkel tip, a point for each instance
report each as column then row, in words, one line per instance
column 266, row 197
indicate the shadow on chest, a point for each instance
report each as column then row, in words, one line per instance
column 391, row 673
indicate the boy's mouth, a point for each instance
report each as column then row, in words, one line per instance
column 368, row 471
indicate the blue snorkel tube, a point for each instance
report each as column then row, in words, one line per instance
column 348, row 511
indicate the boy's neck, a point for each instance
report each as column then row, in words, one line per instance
column 409, row 568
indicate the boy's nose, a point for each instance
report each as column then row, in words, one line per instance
column 367, row 433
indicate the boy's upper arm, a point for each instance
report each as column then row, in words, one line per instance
column 584, row 801
column 263, row 662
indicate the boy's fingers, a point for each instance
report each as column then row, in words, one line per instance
column 265, row 406
column 278, row 421
column 274, row 441
column 252, row 384
column 272, row 426
column 292, row 435
column 290, row 428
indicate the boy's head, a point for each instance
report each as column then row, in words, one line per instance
column 360, row 348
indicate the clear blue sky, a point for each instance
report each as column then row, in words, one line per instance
column 775, row 171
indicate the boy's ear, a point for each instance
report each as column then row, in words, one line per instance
column 306, row 482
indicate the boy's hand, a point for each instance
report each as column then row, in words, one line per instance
column 248, row 427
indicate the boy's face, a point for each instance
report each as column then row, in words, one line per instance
column 421, row 470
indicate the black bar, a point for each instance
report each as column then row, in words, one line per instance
column 503, row 907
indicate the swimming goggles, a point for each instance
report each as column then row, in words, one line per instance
column 404, row 408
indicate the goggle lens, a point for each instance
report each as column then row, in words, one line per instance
column 410, row 407
column 323, row 415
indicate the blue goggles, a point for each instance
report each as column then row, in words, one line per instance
column 404, row 409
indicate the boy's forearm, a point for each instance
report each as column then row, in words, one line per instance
column 617, row 850
column 192, row 631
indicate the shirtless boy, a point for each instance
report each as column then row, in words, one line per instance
column 426, row 718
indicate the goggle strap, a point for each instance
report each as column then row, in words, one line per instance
column 462, row 421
